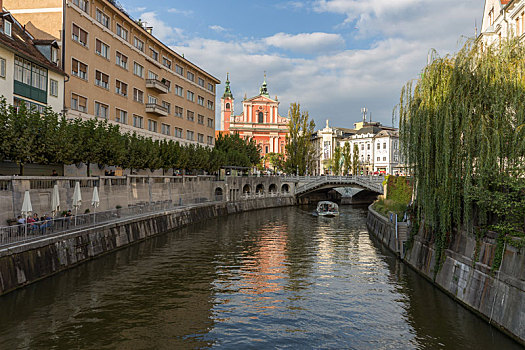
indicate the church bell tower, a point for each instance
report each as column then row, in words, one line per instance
column 226, row 106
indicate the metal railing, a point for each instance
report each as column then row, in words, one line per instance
column 36, row 230
column 370, row 182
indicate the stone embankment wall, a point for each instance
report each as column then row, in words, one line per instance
column 29, row 262
column 466, row 274
column 131, row 190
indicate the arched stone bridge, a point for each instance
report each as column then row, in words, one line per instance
column 309, row 184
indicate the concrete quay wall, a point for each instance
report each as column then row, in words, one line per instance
column 466, row 276
column 30, row 262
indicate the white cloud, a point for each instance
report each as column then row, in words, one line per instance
column 186, row 13
column 217, row 28
column 306, row 42
column 337, row 82
column 161, row 30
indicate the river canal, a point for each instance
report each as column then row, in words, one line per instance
column 277, row 278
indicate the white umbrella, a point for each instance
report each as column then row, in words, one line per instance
column 55, row 201
column 77, row 199
column 27, row 208
column 95, row 201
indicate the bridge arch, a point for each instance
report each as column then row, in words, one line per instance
column 285, row 188
column 259, row 189
column 246, row 189
column 272, row 188
column 218, row 191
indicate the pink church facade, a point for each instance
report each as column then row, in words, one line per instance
column 259, row 120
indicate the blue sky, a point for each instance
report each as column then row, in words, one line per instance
column 332, row 56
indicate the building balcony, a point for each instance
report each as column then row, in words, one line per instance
column 156, row 109
column 157, row 85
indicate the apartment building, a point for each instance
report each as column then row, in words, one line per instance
column 502, row 19
column 122, row 73
column 29, row 74
column 377, row 145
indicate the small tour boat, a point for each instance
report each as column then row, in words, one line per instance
column 327, row 209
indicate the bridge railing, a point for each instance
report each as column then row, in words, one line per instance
column 369, row 181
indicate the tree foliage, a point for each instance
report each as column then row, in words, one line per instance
column 462, row 131
column 347, row 158
column 27, row 136
column 300, row 152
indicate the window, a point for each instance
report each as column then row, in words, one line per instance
column 190, row 76
column 190, row 116
column 201, row 82
column 166, row 62
column 2, row 68
column 123, row 33
column 152, row 75
column 30, row 74
column 154, row 54
column 139, row 44
column 378, row 159
column 138, row 121
column 200, row 101
column 179, row 91
column 189, row 135
column 102, row 18
column 362, row 147
column 209, row 140
column 79, row 69
column 200, row 138
column 179, row 111
column 384, row 145
column 210, row 123
column 138, row 70
column 384, row 159
column 177, row 132
column 78, row 103
column 165, row 129
column 152, row 99
column 179, row 69
column 121, row 88
column 82, row 4
column 7, row 28
column 378, row 145
column 261, row 117
column 101, row 110
column 121, row 116
column 211, row 87
column 101, row 49
column 79, row 35
column 30, row 106
column 121, row 60
column 210, row 104
column 368, row 146
column 152, row 125
column 227, row 106
column 190, row 96
column 54, row 55
column 101, row 79
column 138, row 95
column 53, row 87
column 167, row 105
column 200, row 119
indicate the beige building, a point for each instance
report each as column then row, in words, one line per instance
column 502, row 19
column 120, row 72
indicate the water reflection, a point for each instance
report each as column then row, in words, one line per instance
column 279, row 278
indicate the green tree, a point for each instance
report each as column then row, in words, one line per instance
column 300, row 151
column 276, row 160
column 338, row 161
column 355, row 160
column 463, row 132
column 347, row 158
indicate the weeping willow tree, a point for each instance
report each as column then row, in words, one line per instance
column 462, row 131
